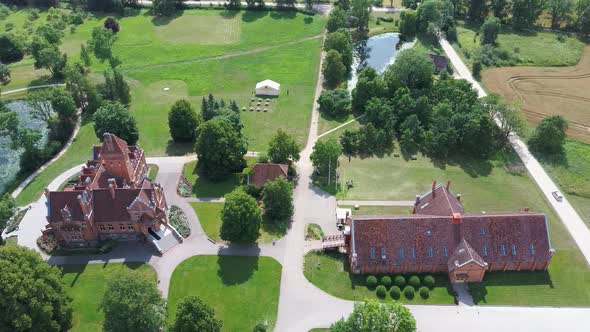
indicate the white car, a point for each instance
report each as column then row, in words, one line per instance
column 557, row 195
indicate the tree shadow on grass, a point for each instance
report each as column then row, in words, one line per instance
column 277, row 229
column 178, row 149
column 473, row 167
column 479, row 290
column 229, row 14
column 253, row 15
column 283, row 14
column 235, row 270
column 308, row 20
column 165, row 20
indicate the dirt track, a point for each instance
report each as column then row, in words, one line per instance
column 546, row 91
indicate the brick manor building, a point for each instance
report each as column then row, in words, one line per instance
column 440, row 237
column 113, row 199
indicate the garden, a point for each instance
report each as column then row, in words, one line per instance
column 330, row 272
column 227, row 283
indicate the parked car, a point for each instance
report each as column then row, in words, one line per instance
column 557, row 195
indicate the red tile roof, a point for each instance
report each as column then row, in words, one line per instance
column 264, row 172
column 464, row 254
column 439, row 201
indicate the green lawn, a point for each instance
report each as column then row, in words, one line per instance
column 531, row 48
column 210, row 218
column 573, row 176
column 86, row 285
column 205, row 188
column 153, row 171
column 567, row 283
column 327, row 122
column 78, row 153
column 366, row 210
column 330, row 272
column 243, row 291
column 376, row 28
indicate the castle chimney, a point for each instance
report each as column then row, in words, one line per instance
column 433, row 186
column 46, row 191
column 448, row 184
column 459, row 197
column 417, row 199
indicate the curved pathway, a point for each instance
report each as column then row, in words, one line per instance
column 30, row 88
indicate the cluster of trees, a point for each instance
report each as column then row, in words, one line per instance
column 109, row 6
column 166, row 7
column 7, row 210
column 338, row 61
column 439, row 118
column 350, row 14
column 35, row 299
column 549, row 136
column 377, row 317
column 430, row 17
column 523, row 14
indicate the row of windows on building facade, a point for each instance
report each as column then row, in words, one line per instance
column 429, row 251
column 120, row 227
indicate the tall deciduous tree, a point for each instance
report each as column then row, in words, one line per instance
column 283, row 147
column 477, row 10
column 334, row 102
column 368, row 85
column 33, row 294
column 83, row 91
column 192, row 314
column 333, row 68
column 549, row 135
column 340, row 41
column 489, row 31
column 372, row 316
column 509, row 117
column 101, row 43
column 240, row 218
column 408, row 22
column 183, row 120
column 499, row 8
column 7, row 209
column 325, row 156
column 220, row 148
column 337, row 19
column 559, row 10
column 360, row 12
column 115, row 88
column 132, row 302
column 277, row 197
column 412, row 69
column 526, row 12
column 114, row 118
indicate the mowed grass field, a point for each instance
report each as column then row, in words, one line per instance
column 243, row 291
column 86, row 285
column 530, row 49
column 544, row 91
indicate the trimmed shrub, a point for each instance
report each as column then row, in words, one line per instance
column 424, row 292
column 386, row 281
column 395, row 293
column 414, row 281
column 371, row 281
column 178, row 220
column 381, row 291
column 409, row 292
column 399, row 281
column 429, row 281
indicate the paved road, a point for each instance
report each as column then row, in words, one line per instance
column 568, row 215
column 377, row 203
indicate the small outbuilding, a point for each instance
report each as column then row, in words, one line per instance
column 267, row 88
column 262, row 173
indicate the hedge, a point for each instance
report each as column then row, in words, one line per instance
column 414, row 281
column 424, row 292
column 409, row 292
column 399, row 281
column 371, row 281
column 429, row 281
column 381, row 291
column 386, row 281
column 395, row 293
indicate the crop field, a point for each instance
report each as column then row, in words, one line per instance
column 544, row 91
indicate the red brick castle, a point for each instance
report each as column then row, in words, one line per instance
column 113, row 199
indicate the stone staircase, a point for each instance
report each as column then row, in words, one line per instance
column 169, row 237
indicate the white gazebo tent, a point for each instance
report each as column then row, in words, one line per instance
column 267, row 88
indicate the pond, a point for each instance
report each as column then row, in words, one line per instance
column 378, row 52
column 9, row 159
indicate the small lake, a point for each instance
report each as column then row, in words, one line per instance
column 379, row 52
column 9, row 159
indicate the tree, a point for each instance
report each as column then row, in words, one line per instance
column 183, row 120
column 192, row 314
column 115, row 88
column 334, row 102
column 277, row 197
column 408, row 22
column 85, row 55
column 412, row 135
column 549, row 135
column 62, row 103
column 509, row 117
column 132, row 302
column 84, row 93
column 164, row 7
column 333, row 68
column 526, row 12
column 584, row 21
column 410, row 4
column 340, row 41
column 360, row 12
column 477, row 10
column 234, row 4
column 101, row 43
column 350, row 141
column 489, row 31
column 113, row 118
column 373, row 316
column 499, row 8
column 112, row 24
column 40, row 103
column 33, row 293
column 49, row 33
column 220, row 148
column 324, row 156
column 4, row 73
column 240, row 218
column 283, row 147
column 12, row 48
column 48, row 56
column 428, row 12
column 368, row 85
column 337, row 19
column 7, row 209
column 559, row 10
column 412, row 69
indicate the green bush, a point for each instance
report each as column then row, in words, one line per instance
column 178, row 220
column 395, row 293
column 409, row 292
column 399, row 281
column 429, row 281
column 371, row 281
column 386, row 281
column 414, row 281
column 424, row 292
column 381, row 291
